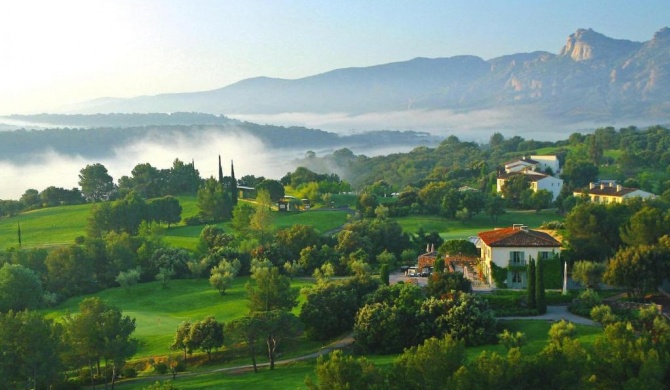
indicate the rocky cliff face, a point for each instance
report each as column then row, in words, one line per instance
column 587, row 45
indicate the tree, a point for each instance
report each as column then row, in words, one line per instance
column 588, row 273
column 295, row 238
column 458, row 248
column 20, row 288
column 638, row 269
column 31, row 199
column 532, row 285
column 30, row 346
column 128, row 279
column 441, row 284
column 274, row 189
column 646, row 226
column 166, row 209
column 495, row 207
column 429, row 365
column 248, row 329
column 99, row 331
column 206, row 335
column 540, row 300
column 96, row 184
column 277, row 325
column 224, row 274
column 513, row 188
column 213, row 202
column 270, row 290
column 69, row 271
column 541, row 199
column 339, row 371
column 579, row 173
column 182, row 339
column 164, row 275
column 260, row 223
column 241, row 222
column 384, row 274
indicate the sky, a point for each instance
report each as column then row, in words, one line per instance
column 55, row 53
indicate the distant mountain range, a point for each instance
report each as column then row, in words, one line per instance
column 593, row 78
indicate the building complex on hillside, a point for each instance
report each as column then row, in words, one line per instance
column 511, row 248
column 539, row 171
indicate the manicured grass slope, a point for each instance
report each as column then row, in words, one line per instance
column 293, row 375
column 45, row 227
column 56, row 226
column 158, row 311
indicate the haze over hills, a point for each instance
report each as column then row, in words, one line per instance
column 594, row 80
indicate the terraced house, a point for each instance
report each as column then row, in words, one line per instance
column 512, row 248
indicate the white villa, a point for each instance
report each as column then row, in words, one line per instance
column 511, row 248
column 538, row 181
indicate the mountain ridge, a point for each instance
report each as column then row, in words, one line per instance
column 592, row 78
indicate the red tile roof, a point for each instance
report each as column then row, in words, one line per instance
column 518, row 237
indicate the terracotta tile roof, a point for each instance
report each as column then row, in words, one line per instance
column 517, row 237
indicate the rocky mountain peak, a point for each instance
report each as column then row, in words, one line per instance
column 586, row 45
column 661, row 37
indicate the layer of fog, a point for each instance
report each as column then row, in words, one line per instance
column 475, row 126
column 250, row 155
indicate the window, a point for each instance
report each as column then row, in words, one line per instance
column 516, row 277
column 544, row 255
column 516, row 257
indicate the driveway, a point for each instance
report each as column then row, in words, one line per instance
column 556, row 313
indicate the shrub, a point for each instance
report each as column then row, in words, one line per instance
column 129, row 372
column 587, row 300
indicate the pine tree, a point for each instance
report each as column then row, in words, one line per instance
column 532, row 303
column 540, row 300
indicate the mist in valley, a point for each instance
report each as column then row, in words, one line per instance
column 251, row 156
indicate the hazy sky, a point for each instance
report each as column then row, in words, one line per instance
column 54, row 53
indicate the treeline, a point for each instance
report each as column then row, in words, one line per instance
column 629, row 354
column 638, row 159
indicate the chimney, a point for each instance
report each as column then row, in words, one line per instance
column 524, row 228
column 619, row 187
column 427, row 248
column 602, row 186
column 592, row 186
column 432, row 248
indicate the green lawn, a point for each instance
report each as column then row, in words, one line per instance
column 45, row 227
column 453, row 229
column 158, row 311
column 292, row 376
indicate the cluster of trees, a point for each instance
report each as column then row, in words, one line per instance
column 400, row 316
column 36, row 350
column 626, row 244
column 629, row 354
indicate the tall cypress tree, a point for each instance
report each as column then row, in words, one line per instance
column 540, row 300
column 220, row 171
column 233, row 185
column 532, row 303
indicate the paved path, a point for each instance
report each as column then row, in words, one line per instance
column 556, row 313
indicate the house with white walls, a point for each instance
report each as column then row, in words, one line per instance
column 512, row 248
column 608, row 191
column 538, row 181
